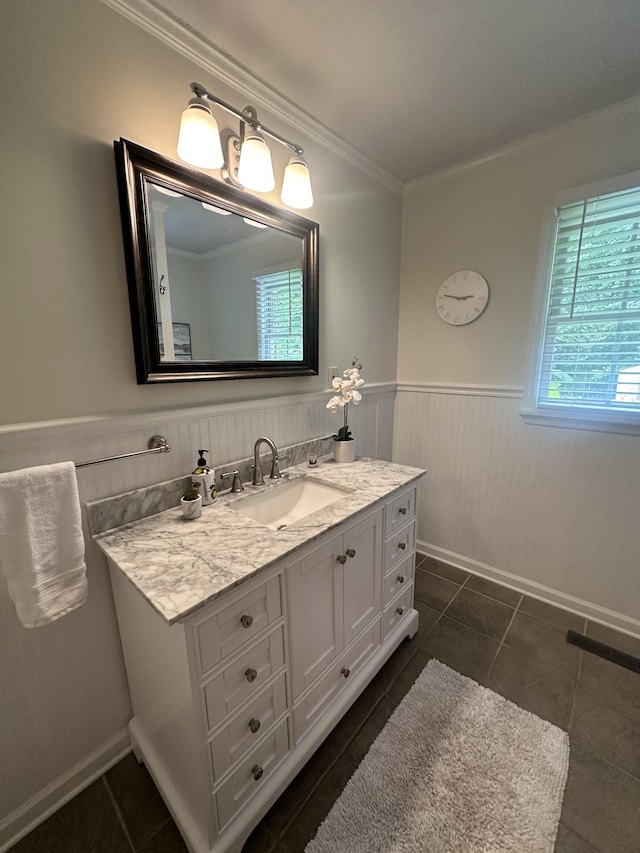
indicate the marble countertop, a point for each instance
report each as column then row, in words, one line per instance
column 180, row 565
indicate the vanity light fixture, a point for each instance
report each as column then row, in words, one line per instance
column 247, row 158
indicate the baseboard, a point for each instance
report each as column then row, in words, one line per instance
column 36, row 810
column 610, row 618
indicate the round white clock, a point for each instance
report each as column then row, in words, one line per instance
column 462, row 297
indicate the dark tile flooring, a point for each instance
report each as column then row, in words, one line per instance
column 513, row 644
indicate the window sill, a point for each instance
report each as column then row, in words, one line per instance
column 614, row 422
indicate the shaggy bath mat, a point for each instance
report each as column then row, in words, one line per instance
column 456, row 768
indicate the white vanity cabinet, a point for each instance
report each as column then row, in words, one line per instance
column 334, row 593
column 231, row 702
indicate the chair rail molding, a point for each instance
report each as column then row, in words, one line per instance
column 461, row 390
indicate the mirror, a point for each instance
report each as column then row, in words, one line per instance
column 222, row 285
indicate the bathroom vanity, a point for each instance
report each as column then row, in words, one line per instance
column 245, row 644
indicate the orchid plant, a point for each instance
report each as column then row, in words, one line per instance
column 347, row 386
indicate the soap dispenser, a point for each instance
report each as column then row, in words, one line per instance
column 206, row 478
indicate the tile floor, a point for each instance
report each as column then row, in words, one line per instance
column 513, row 644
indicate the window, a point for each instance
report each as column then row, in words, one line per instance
column 279, row 306
column 586, row 365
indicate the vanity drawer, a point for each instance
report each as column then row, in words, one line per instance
column 251, row 773
column 399, row 511
column 247, row 727
column 398, row 580
column 243, row 677
column 399, row 545
column 336, row 677
column 241, row 620
column 395, row 611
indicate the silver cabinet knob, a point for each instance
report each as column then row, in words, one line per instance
column 402, row 545
column 400, row 578
column 399, row 610
column 256, row 772
column 246, row 621
column 342, row 559
column 345, row 671
column 254, row 725
column 403, row 510
column 251, row 674
column 351, row 552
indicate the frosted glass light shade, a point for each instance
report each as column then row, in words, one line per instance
column 296, row 185
column 199, row 139
column 255, row 171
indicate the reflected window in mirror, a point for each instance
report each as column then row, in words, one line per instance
column 222, row 285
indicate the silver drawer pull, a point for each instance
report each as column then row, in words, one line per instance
column 403, row 510
column 342, row 559
column 257, row 771
column 251, row 674
column 345, row 671
column 399, row 610
column 400, row 578
column 246, row 621
column 402, row 545
column 254, row 725
column 351, row 552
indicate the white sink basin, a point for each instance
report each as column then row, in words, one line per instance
column 289, row 501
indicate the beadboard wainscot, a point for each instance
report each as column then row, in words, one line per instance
column 504, row 495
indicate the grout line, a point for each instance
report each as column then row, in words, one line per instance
column 504, row 636
column 575, row 691
column 119, row 814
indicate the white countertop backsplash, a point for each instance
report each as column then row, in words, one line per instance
column 180, row 565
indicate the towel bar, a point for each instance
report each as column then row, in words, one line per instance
column 156, row 444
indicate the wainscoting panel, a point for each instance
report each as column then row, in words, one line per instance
column 63, row 691
column 554, row 507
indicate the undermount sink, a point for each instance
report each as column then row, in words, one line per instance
column 289, row 501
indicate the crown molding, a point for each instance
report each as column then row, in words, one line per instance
column 606, row 115
column 177, row 35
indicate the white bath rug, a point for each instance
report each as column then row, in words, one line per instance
column 456, row 769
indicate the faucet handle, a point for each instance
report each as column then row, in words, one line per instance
column 275, row 468
column 236, row 486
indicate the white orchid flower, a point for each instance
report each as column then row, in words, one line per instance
column 347, row 387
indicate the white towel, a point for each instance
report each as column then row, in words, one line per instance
column 41, row 542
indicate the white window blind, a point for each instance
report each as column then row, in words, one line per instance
column 590, row 355
column 279, row 305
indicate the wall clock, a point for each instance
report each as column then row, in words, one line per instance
column 462, row 297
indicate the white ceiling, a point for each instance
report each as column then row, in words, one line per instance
column 417, row 85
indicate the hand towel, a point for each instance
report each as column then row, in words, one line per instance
column 41, row 542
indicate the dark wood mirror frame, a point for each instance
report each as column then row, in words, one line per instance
column 134, row 165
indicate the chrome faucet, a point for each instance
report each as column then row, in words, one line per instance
column 258, row 477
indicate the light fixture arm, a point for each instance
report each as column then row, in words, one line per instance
column 249, row 116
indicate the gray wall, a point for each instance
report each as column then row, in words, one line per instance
column 551, row 511
column 76, row 76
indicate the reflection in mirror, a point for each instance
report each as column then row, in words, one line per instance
column 221, row 284
column 223, row 288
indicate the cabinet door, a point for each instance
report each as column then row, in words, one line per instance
column 315, row 614
column 362, row 547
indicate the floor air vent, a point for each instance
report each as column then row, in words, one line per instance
column 604, row 651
